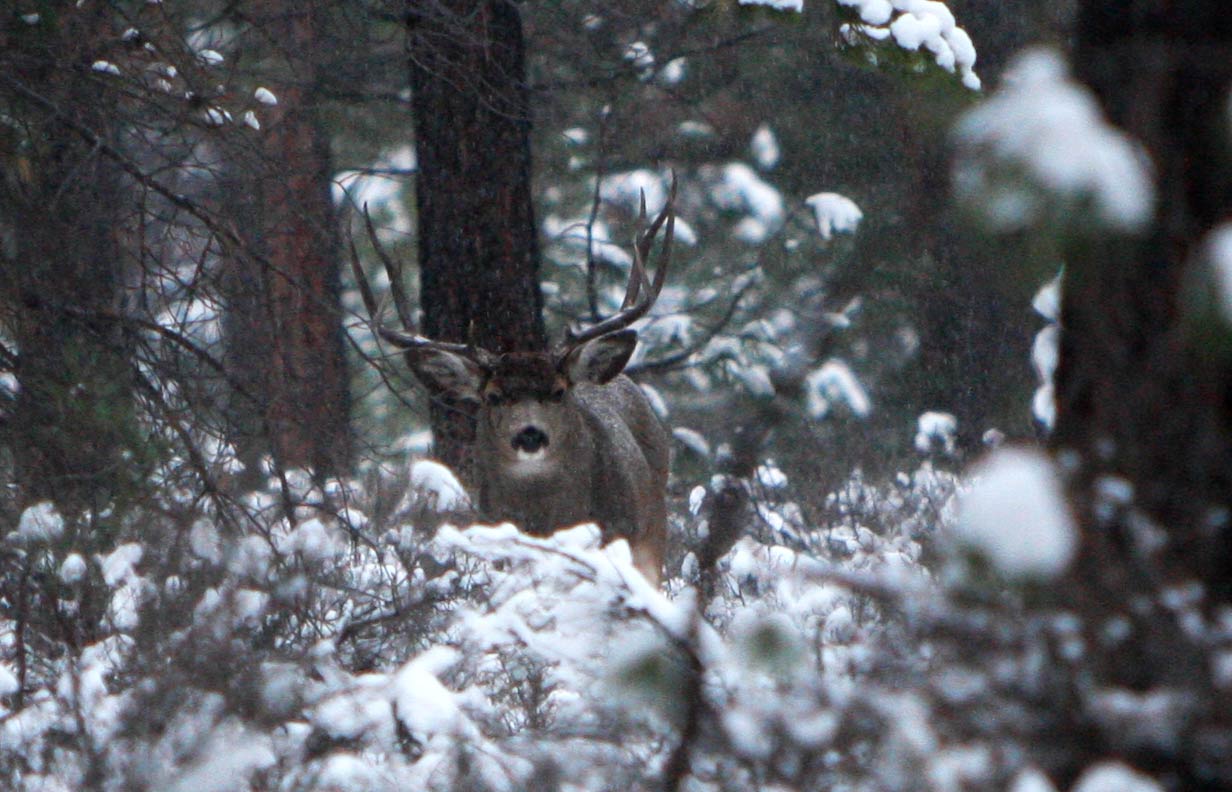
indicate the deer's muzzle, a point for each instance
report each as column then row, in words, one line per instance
column 530, row 440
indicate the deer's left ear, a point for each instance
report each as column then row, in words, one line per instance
column 600, row 360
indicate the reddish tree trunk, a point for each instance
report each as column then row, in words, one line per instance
column 478, row 249
column 287, row 332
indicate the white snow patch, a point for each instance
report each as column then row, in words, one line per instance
column 1047, row 301
column 8, row 681
column 639, row 55
column 765, row 147
column 1115, row 777
column 435, row 486
column 265, row 96
column 210, row 57
column 1016, row 515
column 105, row 67
column 1043, row 124
column 73, row 568
column 215, row 116
column 1031, row 780
column 118, row 565
column 835, row 213
column 40, row 523
column 835, row 383
column 936, row 427
column 1046, row 351
column 673, row 71
column 426, row 707
column 919, row 24
column 740, row 189
column 626, row 190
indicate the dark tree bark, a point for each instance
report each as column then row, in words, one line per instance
column 1141, row 393
column 478, row 248
column 1144, row 387
column 284, row 323
column 72, row 420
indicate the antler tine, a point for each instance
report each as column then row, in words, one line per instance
column 394, row 270
column 404, row 340
column 640, row 294
column 361, row 280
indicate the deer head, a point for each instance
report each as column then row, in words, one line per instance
column 562, row 436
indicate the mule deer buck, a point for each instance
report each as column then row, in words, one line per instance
column 562, row 437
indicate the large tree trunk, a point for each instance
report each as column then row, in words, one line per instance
column 73, row 418
column 285, row 330
column 1141, row 393
column 1144, row 387
column 478, row 248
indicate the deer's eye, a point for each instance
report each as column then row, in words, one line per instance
column 494, row 399
column 556, row 394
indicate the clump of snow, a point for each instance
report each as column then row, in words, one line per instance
column 105, row 67
column 434, row 486
column 626, row 190
column 835, row 214
column 835, row 383
column 40, row 523
column 312, row 539
column 73, row 568
column 265, row 96
column 673, row 71
column 210, row 57
column 639, row 55
column 1046, row 352
column 1047, row 301
column 1115, row 777
column 1045, row 126
column 915, row 25
column 737, row 188
column 765, row 147
column 120, row 563
column 1016, row 515
column 215, row 116
column 1031, row 780
column 936, row 428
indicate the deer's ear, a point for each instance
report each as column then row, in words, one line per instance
column 446, row 373
column 600, row 360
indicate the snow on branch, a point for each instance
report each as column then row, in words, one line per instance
column 912, row 25
column 916, row 25
column 1040, row 148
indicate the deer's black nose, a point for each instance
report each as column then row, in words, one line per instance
column 530, row 439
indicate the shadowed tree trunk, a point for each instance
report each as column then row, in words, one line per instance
column 72, row 428
column 1145, row 382
column 284, row 323
column 1144, row 387
column 478, row 249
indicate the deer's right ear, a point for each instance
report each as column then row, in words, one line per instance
column 601, row 359
column 446, row 373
